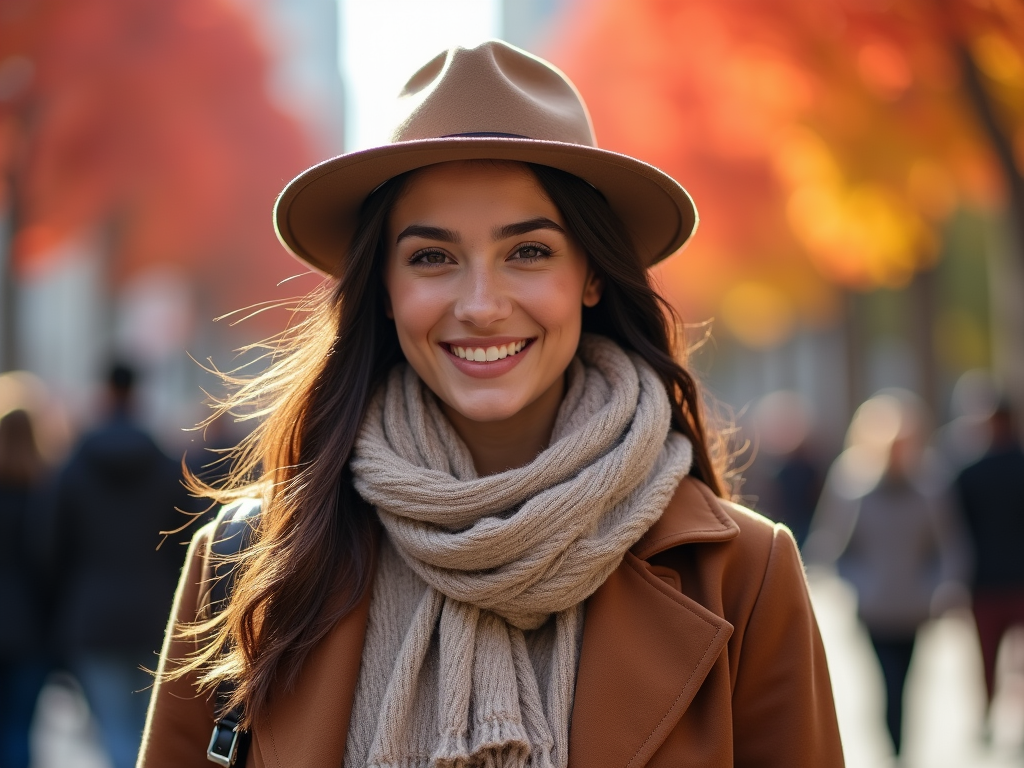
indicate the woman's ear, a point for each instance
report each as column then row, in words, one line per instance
column 592, row 289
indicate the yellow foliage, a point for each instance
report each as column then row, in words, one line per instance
column 998, row 58
column 758, row 314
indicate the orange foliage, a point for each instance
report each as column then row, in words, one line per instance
column 824, row 141
column 147, row 121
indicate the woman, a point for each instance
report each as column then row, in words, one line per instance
column 491, row 528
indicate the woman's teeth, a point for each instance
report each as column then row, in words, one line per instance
column 488, row 354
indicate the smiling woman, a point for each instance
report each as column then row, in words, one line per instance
column 487, row 526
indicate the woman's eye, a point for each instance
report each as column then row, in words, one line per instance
column 531, row 251
column 429, row 257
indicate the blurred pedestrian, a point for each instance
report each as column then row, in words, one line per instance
column 991, row 497
column 884, row 519
column 968, row 435
column 110, row 502
column 785, row 478
column 23, row 666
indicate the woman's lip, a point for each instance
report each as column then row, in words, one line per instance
column 486, row 370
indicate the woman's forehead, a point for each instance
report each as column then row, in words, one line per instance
column 468, row 187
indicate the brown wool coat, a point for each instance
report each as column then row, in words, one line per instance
column 701, row 649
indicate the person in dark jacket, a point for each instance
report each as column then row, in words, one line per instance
column 23, row 667
column 110, row 502
column 991, row 496
column 786, row 477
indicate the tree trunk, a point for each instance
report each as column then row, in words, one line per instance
column 855, row 350
column 921, row 324
column 8, row 292
column 1001, row 144
column 1009, row 357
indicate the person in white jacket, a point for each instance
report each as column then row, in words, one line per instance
column 884, row 520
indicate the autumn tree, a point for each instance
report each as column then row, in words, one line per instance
column 826, row 143
column 149, row 122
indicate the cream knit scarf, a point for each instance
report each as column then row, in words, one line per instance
column 501, row 555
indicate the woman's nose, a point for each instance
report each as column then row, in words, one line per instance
column 482, row 298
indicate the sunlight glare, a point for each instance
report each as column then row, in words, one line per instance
column 384, row 41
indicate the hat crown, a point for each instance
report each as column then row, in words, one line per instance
column 493, row 88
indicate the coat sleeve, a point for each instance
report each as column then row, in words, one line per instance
column 179, row 721
column 783, row 710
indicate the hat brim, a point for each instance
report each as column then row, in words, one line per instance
column 316, row 214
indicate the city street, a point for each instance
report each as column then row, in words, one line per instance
column 943, row 718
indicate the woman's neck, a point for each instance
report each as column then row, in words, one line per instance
column 514, row 442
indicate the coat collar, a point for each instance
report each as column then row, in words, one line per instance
column 646, row 647
column 694, row 514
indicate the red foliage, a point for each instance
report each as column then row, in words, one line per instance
column 148, row 121
column 824, row 141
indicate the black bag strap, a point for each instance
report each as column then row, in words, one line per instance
column 232, row 534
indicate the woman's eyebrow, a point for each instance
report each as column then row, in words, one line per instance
column 428, row 233
column 522, row 227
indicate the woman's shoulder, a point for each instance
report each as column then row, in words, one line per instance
column 728, row 557
column 756, row 531
column 214, row 546
column 230, row 529
column 233, row 528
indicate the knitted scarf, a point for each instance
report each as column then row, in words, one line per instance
column 499, row 557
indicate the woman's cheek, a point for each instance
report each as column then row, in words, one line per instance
column 556, row 304
column 416, row 309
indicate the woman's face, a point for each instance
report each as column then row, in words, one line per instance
column 485, row 286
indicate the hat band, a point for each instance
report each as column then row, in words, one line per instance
column 484, row 135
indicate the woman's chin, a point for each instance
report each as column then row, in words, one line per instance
column 496, row 407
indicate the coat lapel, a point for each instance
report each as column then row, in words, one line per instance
column 309, row 724
column 646, row 646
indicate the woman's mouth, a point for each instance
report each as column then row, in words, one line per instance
column 488, row 354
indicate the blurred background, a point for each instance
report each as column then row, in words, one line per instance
column 854, row 296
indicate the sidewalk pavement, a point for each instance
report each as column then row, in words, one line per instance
column 944, row 699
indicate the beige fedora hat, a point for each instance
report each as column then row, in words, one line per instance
column 492, row 101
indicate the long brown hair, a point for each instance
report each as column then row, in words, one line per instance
column 311, row 560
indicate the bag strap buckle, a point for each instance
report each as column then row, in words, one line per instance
column 223, row 749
